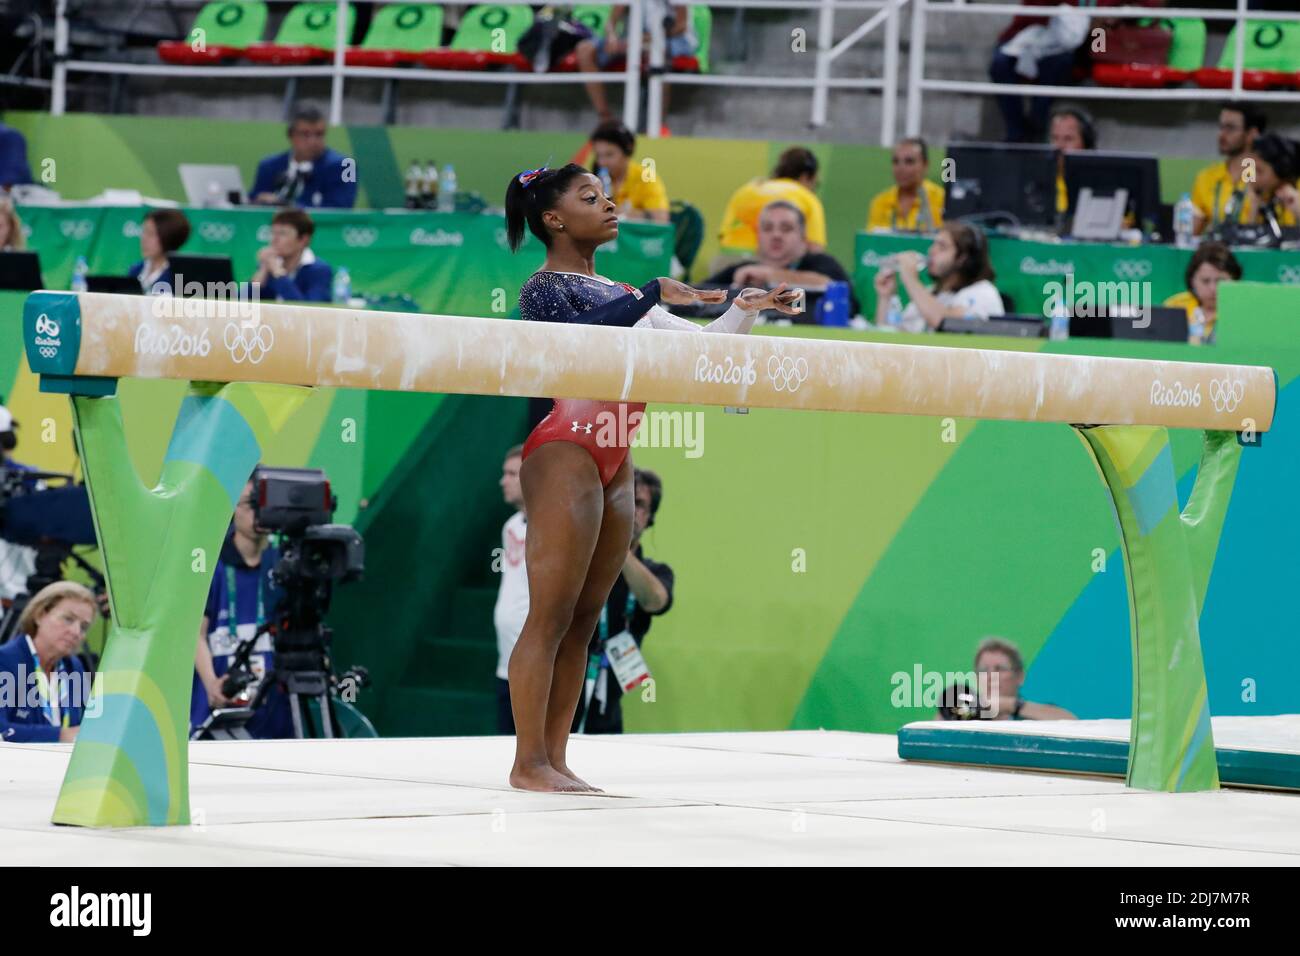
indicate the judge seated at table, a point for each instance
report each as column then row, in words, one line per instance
column 309, row 173
column 287, row 269
column 913, row 203
column 783, row 256
column 164, row 231
column 958, row 262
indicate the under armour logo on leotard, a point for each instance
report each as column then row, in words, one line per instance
column 577, row 427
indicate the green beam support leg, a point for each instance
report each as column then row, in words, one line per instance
column 130, row 764
column 1168, row 556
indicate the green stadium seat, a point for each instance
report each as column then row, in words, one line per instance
column 1272, row 58
column 699, row 63
column 398, row 35
column 472, row 46
column 223, row 30
column 307, row 35
column 1186, row 54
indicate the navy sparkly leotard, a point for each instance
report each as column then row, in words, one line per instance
column 588, row 300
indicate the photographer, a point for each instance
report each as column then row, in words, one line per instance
column 40, row 669
column 17, row 562
column 241, row 600
column 643, row 590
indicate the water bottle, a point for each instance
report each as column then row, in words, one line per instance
column 1059, row 330
column 606, row 183
column 414, row 184
column 1196, row 327
column 447, row 190
column 430, row 192
column 79, row 270
column 894, row 314
column 1185, row 223
column 342, row 285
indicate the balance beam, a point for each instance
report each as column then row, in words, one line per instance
column 102, row 337
column 250, row 365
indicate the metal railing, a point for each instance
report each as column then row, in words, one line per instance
column 918, row 84
column 339, row 72
column 886, row 13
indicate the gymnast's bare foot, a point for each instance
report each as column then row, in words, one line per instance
column 544, row 779
column 563, row 769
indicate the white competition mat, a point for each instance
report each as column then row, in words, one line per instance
column 803, row 798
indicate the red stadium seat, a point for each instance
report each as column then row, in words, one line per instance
column 307, row 35
column 1144, row 76
column 221, row 31
column 1215, row 78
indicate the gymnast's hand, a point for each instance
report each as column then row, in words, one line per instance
column 780, row 298
column 673, row 292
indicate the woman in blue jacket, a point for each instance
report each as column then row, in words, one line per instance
column 44, row 689
column 164, row 231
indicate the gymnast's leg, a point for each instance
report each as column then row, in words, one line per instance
column 565, row 503
column 571, row 662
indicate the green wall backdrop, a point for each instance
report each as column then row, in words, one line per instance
column 913, row 546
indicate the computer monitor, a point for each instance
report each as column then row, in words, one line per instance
column 1017, row 181
column 120, row 285
column 212, row 185
column 1164, row 324
column 20, row 271
column 1010, row 326
column 206, row 270
column 1104, row 173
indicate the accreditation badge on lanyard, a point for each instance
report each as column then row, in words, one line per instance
column 624, row 657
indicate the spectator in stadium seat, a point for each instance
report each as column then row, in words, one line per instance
column 1239, row 125
column 638, row 191
column 287, row 269
column 164, row 231
column 1037, row 50
column 1001, row 672
column 596, row 54
column 643, row 590
column 14, row 170
column 1272, row 197
column 793, row 179
column 47, row 681
column 11, row 227
column 783, row 256
column 308, row 174
column 511, row 609
column 958, row 262
column 1071, row 131
column 1211, row 263
column 913, row 203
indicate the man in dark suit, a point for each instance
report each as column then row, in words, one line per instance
column 308, row 174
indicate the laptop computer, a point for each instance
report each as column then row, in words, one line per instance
column 20, row 271
column 118, row 285
column 206, row 270
column 212, row 185
column 1165, row 324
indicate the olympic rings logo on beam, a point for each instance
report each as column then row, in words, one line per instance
column 1226, row 395
column 787, row 374
column 248, row 344
column 1131, row 268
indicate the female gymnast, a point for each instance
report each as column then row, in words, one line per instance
column 578, row 493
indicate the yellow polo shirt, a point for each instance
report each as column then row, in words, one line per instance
column 883, row 212
column 648, row 196
column 1211, row 190
column 740, row 219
